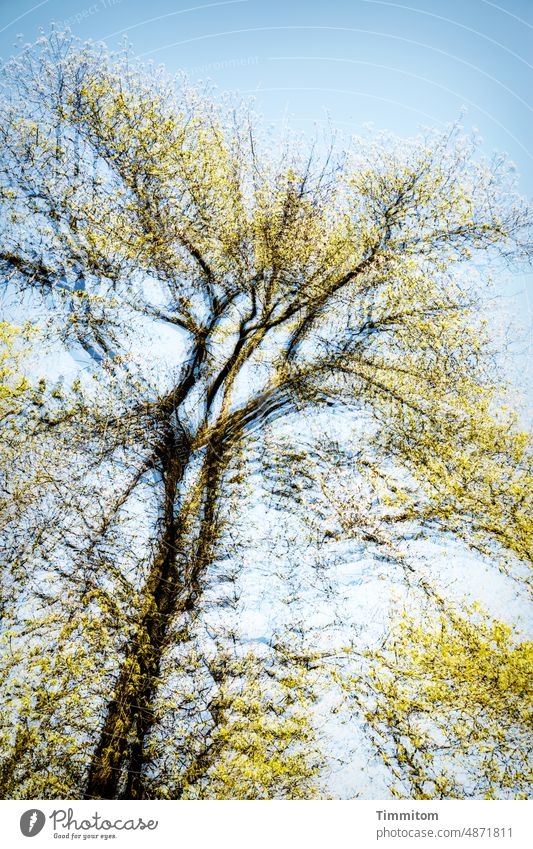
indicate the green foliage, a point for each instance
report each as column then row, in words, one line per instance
column 265, row 746
column 12, row 383
column 301, row 292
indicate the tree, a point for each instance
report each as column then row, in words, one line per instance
column 447, row 699
column 15, row 395
column 14, row 391
column 294, row 288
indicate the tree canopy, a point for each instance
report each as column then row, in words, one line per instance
column 286, row 325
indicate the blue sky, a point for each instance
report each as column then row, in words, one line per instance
column 383, row 61
column 347, row 62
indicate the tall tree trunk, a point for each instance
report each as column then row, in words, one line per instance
column 118, row 759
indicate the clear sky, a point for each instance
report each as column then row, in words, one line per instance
column 350, row 62
column 397, row 64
